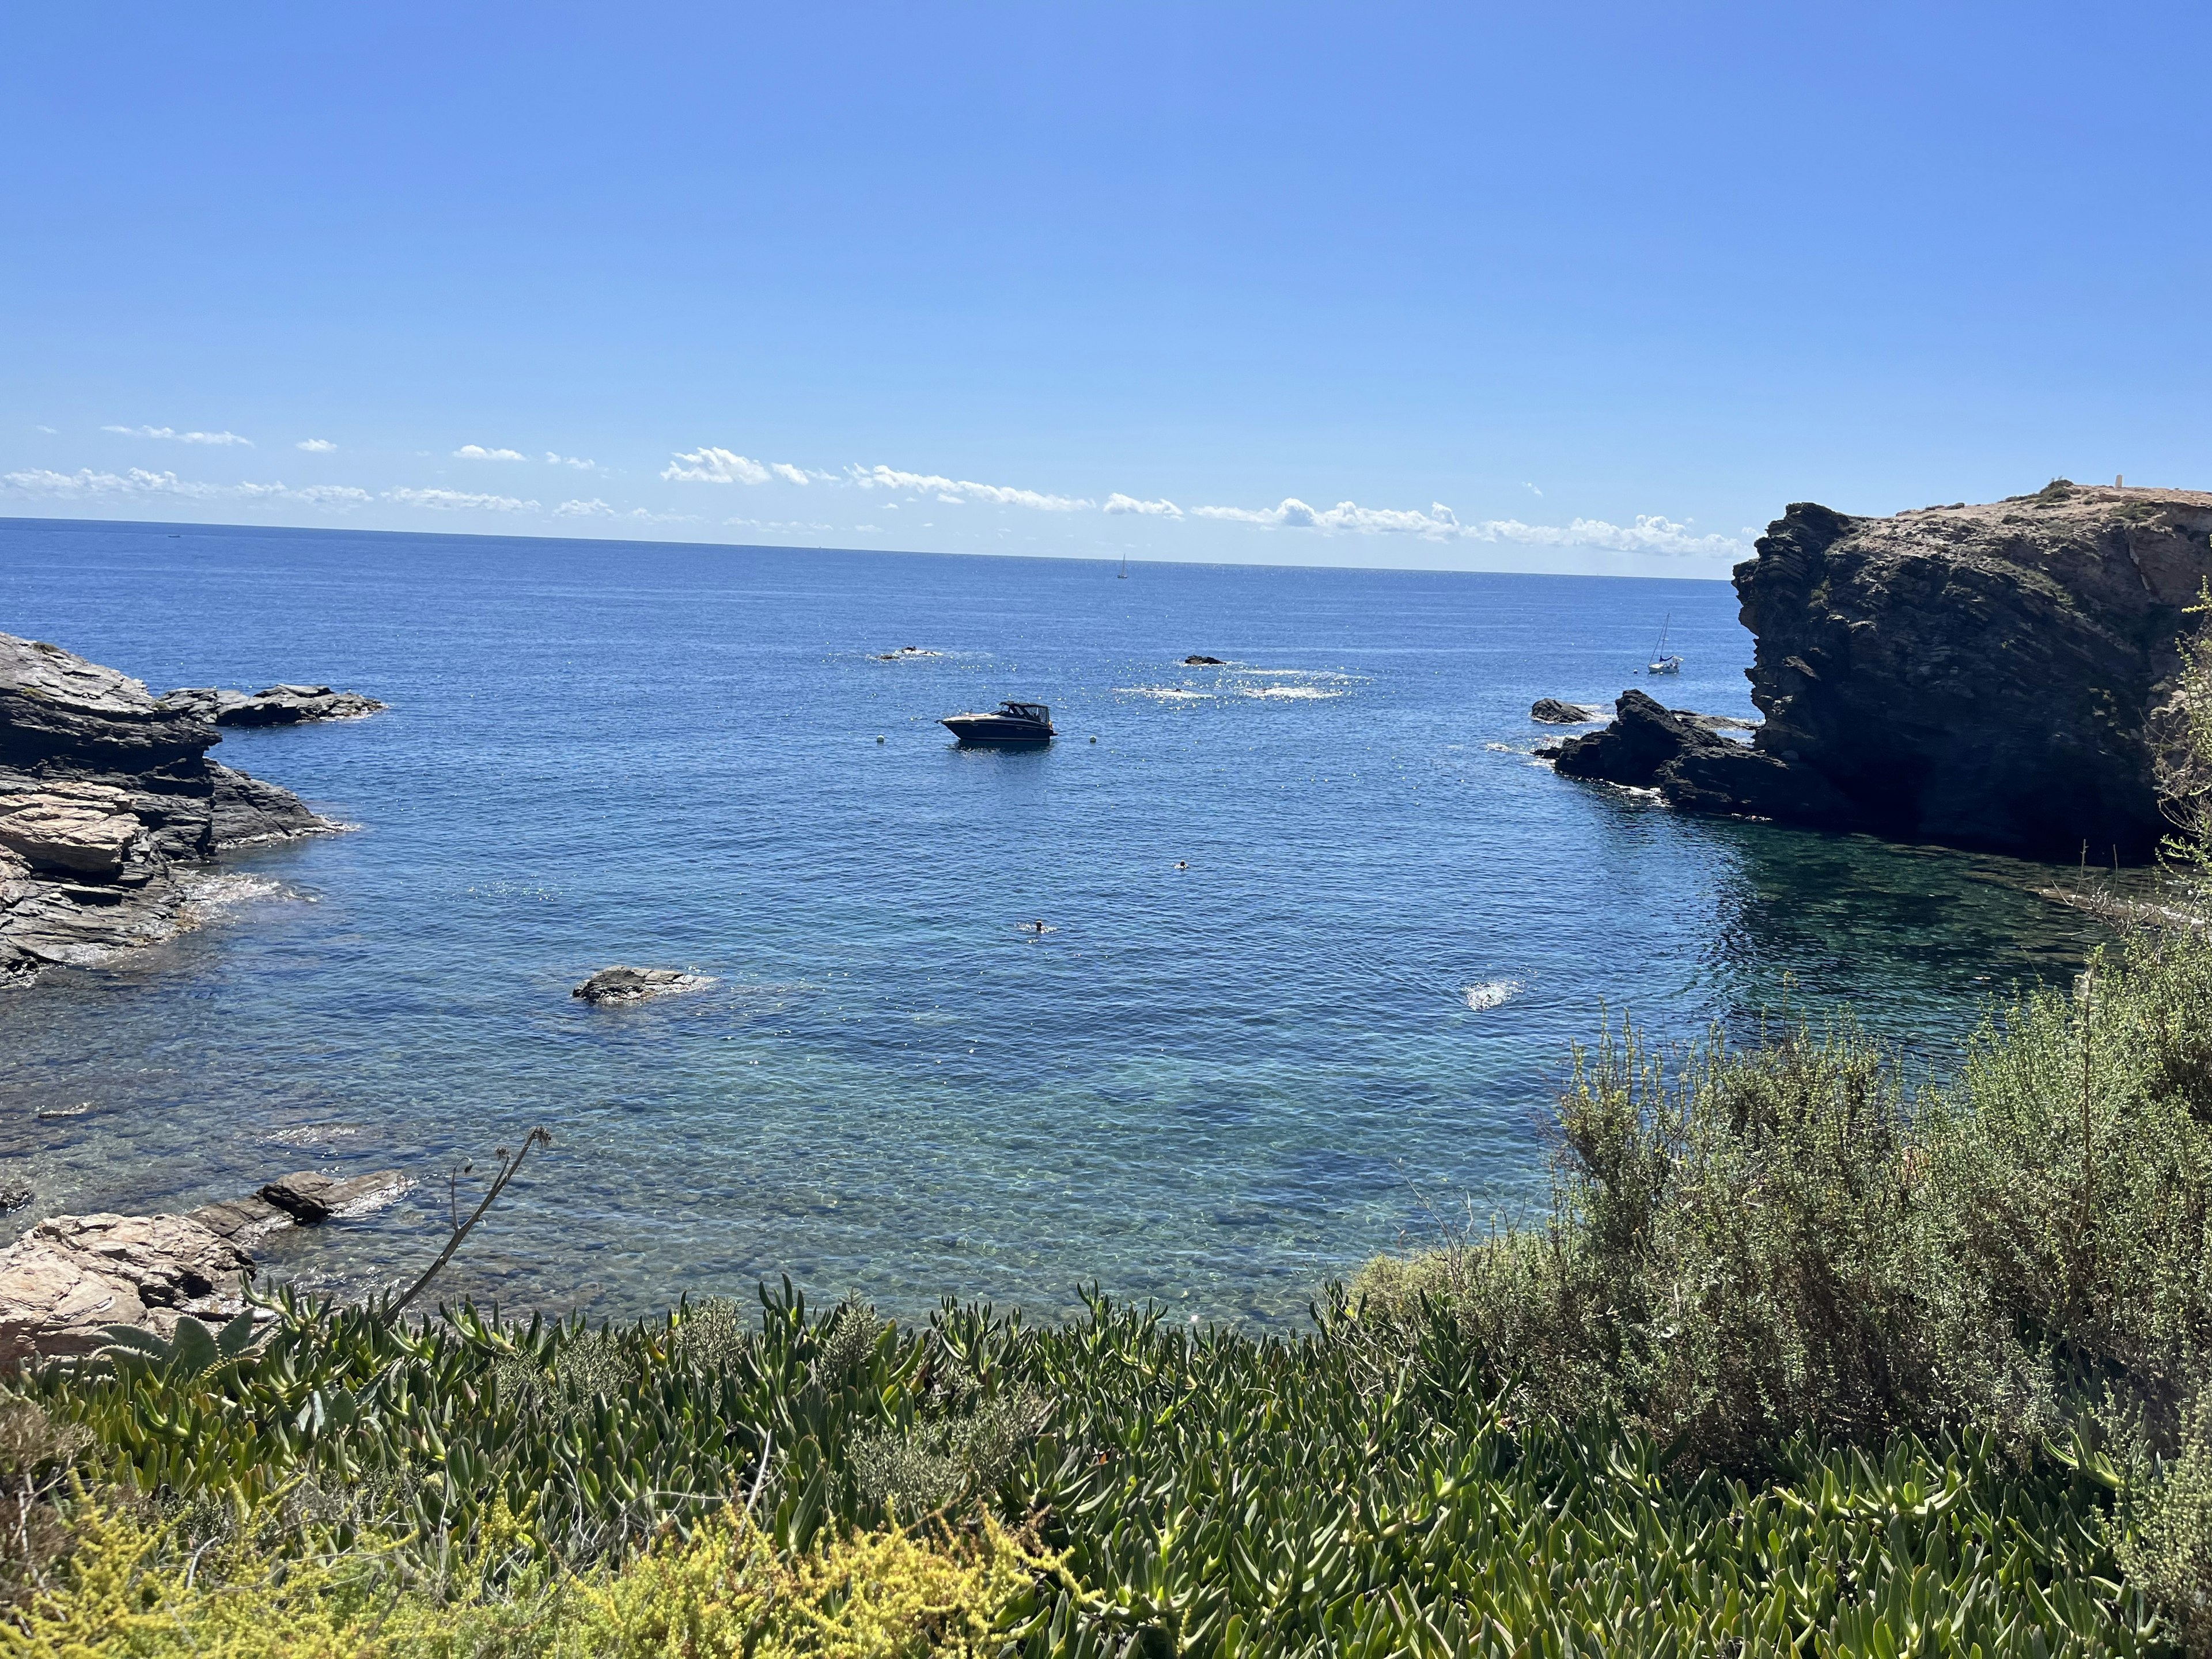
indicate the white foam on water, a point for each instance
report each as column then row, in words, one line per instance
column 222, row 889
column 1164, row 693
column 313, row 1135
column 1310, row 693
column 1492, row 994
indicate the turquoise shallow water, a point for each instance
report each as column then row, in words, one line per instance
column 1217, row 1085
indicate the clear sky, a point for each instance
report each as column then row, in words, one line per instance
column 1540, row 287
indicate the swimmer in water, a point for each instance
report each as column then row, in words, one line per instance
column 1182, row 864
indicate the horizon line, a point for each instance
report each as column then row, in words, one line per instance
column 178, row 524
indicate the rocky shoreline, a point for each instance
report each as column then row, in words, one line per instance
column 1996, row 676
column 108, row 806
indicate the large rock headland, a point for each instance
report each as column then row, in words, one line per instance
column 108, row 798
column 1996, row 677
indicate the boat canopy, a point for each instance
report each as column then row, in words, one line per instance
column 1028, row 711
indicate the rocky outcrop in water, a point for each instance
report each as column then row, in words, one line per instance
column 280, row 705
column 69, row 1278
column 1991, row 677
column 106, row 798
column 1550, row 711
column 624, row 984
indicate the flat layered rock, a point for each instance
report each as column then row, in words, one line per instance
column 622, row 984
column 1551, row 711
column 68, row 1277
column 105, row 794
column 85, row 828
column 278, row 705
column 311, row 1198
column 241, row 1220
column 58, row 709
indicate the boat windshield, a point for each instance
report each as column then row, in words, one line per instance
column 1028, row 711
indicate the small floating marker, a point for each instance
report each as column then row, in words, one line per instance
column 1182, row 864
column 1094, row 739
column 879, row 740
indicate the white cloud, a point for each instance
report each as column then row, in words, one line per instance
column 316, row 446
column 479, row 452
column 85, row 484
column 787, row 471
column 1532, row 489
column 581, row 465
column 1117, row 502
column 49, row 430
column 778, row 524
column 220, row 438
column 708, row 465
column 961, row 490
column 1650, row 533
column 460, row 500
column 596, row 508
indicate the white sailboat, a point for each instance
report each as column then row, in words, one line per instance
column 1661, row 662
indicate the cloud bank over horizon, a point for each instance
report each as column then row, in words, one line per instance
column 869, row 488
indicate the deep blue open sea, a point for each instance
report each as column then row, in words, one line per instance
column 1322, row 931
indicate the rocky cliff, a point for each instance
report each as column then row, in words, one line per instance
column 1992, row 676
column 106, row 798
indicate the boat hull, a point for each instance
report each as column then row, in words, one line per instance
column 997, row 729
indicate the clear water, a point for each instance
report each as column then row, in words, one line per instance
column 1322, row 930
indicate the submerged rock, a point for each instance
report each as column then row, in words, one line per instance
column 310, row 1198
column 241, row 1219
column 1203, row 662
column 104, row 794
column 623, row 984
column 1551, row 711
column 279, row 705
column 68, row 1277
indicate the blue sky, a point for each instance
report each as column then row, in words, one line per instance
column 1567, row 287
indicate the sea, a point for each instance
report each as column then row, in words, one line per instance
column 1319, row 934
